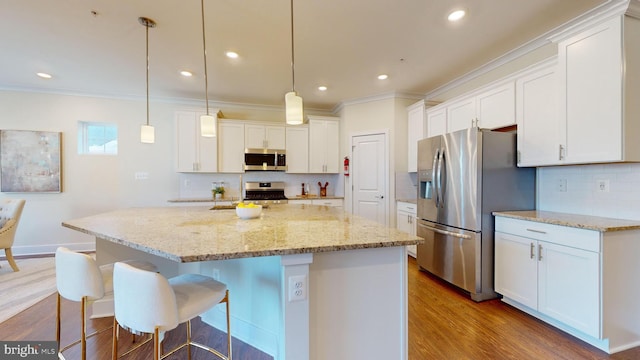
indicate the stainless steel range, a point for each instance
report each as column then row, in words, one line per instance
column 265, row 193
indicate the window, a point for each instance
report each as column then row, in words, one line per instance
column 97, row 138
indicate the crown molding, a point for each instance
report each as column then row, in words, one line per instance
column 597, row 14
column 379, row 97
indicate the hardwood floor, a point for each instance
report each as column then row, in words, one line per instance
column 443, row 324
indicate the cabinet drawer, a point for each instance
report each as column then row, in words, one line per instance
column 327, row 202
column 562, row 235
column 407, row 207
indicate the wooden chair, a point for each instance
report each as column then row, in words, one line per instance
column 10, row 211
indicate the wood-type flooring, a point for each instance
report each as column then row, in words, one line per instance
column 443, row 324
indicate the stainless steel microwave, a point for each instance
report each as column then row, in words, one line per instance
column 265, row 160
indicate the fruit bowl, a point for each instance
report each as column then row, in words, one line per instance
column 248, row 211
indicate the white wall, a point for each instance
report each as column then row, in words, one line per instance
column 94, row 184
column 385, row 114
column 582, row 195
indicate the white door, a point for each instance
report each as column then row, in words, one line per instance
column 370, row 177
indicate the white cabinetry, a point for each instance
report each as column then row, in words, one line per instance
column 576, row 279
column 323, row 144
column 415, row 131
column 537, row 117
column 195, row 153
column 297, row 149
column 406, row 221
column 599, row 72
column 437, row 121
column 231, row 155
column 490, row 107
column 264, row 137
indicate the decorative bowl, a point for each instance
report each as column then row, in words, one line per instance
column 249, row 212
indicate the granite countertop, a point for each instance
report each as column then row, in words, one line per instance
column 196, row 200
column 410, row 201
column 601, row 224
column 195, row 233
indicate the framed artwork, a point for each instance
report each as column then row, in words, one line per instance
column 30, row 161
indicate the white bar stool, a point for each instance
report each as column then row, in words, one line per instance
column 80, row 279
column 146, row 302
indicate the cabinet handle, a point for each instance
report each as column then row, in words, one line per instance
column 532, row 250
column 537, row 231
column 539, row 252
column 518, row 157
column 560, row 150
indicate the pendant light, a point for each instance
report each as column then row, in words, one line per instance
column 293, row 102
column 147, row 132
column 208, row 121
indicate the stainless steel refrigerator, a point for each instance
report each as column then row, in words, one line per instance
column 463, row 177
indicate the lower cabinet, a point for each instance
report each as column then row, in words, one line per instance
column 559, row 281
column 406, row 221
column 578, row 280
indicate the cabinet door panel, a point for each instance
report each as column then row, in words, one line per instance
column 254, row 136
column 415, row 132
column 297, row 150
column 537, row 115
column 569, row 286
column 592, row 70
column 437, row 122
column 516, row 269
column 187, row 156
column 332, row 146
column 497, row 107
column 275, row 137
column 461, row 115
column 231, row 157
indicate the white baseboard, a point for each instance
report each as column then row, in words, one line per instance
column 50, row 249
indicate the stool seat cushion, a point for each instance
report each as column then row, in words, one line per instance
column 195, row 294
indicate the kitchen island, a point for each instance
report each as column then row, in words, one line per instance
column 352, row 271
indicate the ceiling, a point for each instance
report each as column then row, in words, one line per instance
column 340, row 44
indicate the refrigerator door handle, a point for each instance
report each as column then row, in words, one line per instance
column 445, row 232
column 439, row 176
column 434, row 174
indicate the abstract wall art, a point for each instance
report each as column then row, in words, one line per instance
column 30, row 161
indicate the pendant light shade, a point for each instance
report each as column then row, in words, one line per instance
column 292, row 101
column 208, row 121
column 147, row 132
column 208, row 125
column 293, row 106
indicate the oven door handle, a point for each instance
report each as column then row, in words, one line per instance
column 445, row 232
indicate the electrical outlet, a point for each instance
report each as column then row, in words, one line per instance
column 141, row 175
column 297, row 288
column 602, row 185
column 562, row 185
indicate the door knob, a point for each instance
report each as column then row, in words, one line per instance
column 379, row 196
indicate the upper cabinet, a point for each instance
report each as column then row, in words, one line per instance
column 324, row 144
column 599, row 72
column 415, row 131
column 231, row 157
column 537, row 116
column 195, row 153
column 490, row 107
column 297, row 149
column 264, row 137
column 436, row 121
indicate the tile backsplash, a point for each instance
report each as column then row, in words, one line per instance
column 406, row 185
column 608, row 190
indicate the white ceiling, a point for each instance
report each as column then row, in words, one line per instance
column 343, row 44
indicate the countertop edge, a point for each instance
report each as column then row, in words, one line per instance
column 601, row 224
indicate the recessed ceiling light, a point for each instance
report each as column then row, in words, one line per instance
column 383, row 77
column 322, row 88
column 44, row 75
column 186, row 73
column 456, row 15
column 232, row 54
